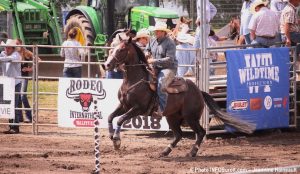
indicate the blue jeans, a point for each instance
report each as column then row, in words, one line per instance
column 114, row 74
column 24, row 99
column 247, row 39
column 72, row 72
column 264, row 42
column 164, row 78
column 18, row 113
column 295, row 37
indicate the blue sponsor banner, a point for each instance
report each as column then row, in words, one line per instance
column 258, row 86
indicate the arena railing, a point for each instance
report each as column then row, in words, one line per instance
column 202, row 78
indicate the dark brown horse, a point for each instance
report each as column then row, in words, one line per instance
column 136, row 97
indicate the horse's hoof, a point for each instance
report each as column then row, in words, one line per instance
column 111, row 137
column 166, row 152
column 163, row 154
column 191, row 154
column 117, row 143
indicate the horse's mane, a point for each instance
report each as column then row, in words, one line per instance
column 140, row 53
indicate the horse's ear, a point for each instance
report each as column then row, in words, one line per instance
column 130, row 39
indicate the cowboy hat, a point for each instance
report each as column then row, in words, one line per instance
column 257, row 3
column 161, row 26
column 9, row 42
column 142, row 33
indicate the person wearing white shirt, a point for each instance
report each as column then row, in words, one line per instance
column 13, row 70
column 263, row 24
column 211, row 11
column 72, row 55
column 278, row 5
column 245, row 19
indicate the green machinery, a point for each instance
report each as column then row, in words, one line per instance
column 100, row 18
column 33, row 21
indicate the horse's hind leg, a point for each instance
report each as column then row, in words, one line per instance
column 200, row 133
column 174, row 123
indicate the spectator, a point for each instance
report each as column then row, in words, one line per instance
column 72, row 55
column 289, row 23
column 142, row 37
column 263, row 24
column 185, row 57
column 13, row 70
column 245, row 20
column 26, row 55
column 211, row 11
column 278, row 5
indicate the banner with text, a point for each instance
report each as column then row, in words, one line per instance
column 79, row 99
column 7, row 97
column 258, row 86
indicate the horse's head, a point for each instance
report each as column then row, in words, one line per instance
column 119, row 55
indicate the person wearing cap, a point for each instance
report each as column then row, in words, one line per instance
column 160, row 52
column 185, row 57
column 72, row 55
column 263, row 24
column 211, row 11
column 13, row 70
column 289, row 23
column 142, row 38
column 245, row 20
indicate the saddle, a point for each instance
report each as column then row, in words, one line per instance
column 177, row 85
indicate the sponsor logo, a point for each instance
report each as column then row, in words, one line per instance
column 268, row 102
column 255, row 104
column 285, row 102
column 239, row 105
column 277, row 102
column 85, row 99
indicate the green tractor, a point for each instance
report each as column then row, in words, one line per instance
column 33, row 21
column 100, row 18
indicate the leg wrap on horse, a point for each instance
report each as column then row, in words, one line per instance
column 117, row 132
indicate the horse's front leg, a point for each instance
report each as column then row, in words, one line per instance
column 134, row 111
column 118, row 111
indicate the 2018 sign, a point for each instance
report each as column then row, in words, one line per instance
column 143, row 122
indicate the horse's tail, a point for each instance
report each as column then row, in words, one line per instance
column 237, row 123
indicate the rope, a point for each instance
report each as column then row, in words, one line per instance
column 97, row 138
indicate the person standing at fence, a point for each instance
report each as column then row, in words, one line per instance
column 289, row 23
column 277, row 6
column 26, row 68
column 72, row 55
column 185, row 57
column 263, row 24
column 160, row 53
column 13, row 70
column 245, row 20
column 211, row 11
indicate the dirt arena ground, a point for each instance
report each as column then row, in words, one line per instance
column 57, row 150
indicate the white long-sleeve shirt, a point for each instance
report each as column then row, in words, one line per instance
column 11, row 69
column 211, row 10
